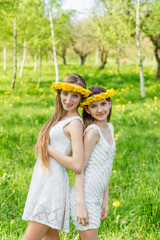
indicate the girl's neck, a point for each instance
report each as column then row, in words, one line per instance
column 101, row 124
column 71, row 114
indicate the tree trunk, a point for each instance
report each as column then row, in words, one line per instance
column 82, row 58
column 158, row 71
column 24, row 58
column 35, row 63
column 139, row 51
column 64, row 56
column 157, row 55
column 14, row 55
column 40, row 67
column 118, row 64
column 104, row 55
column 4, row 58
column 53, row 42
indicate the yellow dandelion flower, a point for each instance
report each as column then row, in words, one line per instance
column 114, row 171
column 21, row 130
column 155, row 108
column 143, row 164
column 155, row 98
column 129, row 102
column 116, row 204
column 117, row 100
column 144, row 104
column 155, row 122
column 10, row 104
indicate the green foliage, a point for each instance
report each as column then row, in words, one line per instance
column 134, row 181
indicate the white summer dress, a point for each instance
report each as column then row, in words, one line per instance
column 48, row 196
column 96, row 175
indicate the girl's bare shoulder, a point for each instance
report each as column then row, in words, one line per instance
column 92, row 134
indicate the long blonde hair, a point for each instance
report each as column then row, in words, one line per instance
column 41, row 147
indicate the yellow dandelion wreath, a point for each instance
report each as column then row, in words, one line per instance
column 70, row 88
column 108, row 94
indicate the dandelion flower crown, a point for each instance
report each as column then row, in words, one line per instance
column 108, row 94
column 70, row 88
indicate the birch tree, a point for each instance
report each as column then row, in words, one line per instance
column 150, row 24
column 7, row 12
column 112, row 29
column 63, row 32
column 23, row 59
column 53, row 41
column 139, row 50
column 14, row 54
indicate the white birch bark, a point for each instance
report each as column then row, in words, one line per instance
column 40, row 66
column 18, row 61
column 4, row 58
column 53, row 42
column 23, row 59
column 139, row 51
column 14, row 55
column 35, row 63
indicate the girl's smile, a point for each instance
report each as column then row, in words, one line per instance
column 70, row 100
column 99, row 110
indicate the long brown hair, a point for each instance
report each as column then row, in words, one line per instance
column 87, row 118
column 41, row 147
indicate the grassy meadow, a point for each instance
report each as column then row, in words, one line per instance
column 135, row 180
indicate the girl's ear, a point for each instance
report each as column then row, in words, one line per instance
column 86, row 109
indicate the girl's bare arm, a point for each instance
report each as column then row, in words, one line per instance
column 76, row 162
column 105, row 206
column 90, row 139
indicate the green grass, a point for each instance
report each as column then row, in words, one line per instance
column 135, row 182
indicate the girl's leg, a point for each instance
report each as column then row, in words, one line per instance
column 91, row 234
column 52, row 234
column 35, row 231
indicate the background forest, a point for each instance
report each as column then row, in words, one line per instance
column 115, row 44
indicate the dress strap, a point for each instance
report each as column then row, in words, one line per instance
column 111, row 128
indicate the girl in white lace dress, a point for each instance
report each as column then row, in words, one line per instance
column 99, row 148
column 47, row 206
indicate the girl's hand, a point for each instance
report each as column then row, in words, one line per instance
column 105, row 210
column 82, row 215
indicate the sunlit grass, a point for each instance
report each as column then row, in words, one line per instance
column 134, row 182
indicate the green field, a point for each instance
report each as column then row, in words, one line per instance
column 135, row 180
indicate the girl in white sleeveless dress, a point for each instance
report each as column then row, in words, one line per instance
column 47, row 206
column 99, row 147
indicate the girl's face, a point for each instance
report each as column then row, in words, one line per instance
column 70, row 100
column 100, row 110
